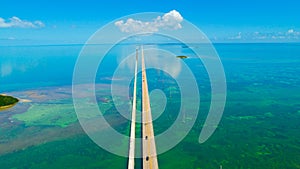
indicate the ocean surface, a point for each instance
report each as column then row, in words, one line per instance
column 260, row 127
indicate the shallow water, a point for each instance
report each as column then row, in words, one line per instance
column 259, row 128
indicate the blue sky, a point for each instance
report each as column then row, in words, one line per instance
column 66, row 21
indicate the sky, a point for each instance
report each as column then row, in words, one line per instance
column 73, row 22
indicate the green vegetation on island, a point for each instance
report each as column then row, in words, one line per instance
column 7, row 101
column 182, row 57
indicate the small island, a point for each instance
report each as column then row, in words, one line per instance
column 7, row 102
column 182, row 57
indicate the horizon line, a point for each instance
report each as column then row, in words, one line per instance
column 168, row 43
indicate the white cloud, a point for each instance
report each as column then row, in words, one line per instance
column 237, row 37
column 171, row 20
column 291, row 31
column 288, row 35
column 39, row 23
column 18, row 23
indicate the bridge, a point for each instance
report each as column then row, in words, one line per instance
column 148, row 139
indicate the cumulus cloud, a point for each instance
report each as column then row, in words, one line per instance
column 291, row 31
column 171, row 20
column 237, row 37
column 288, row 35
column 18, row 23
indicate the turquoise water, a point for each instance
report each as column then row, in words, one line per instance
column 259, row 128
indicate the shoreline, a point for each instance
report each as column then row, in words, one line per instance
column 5, row 107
